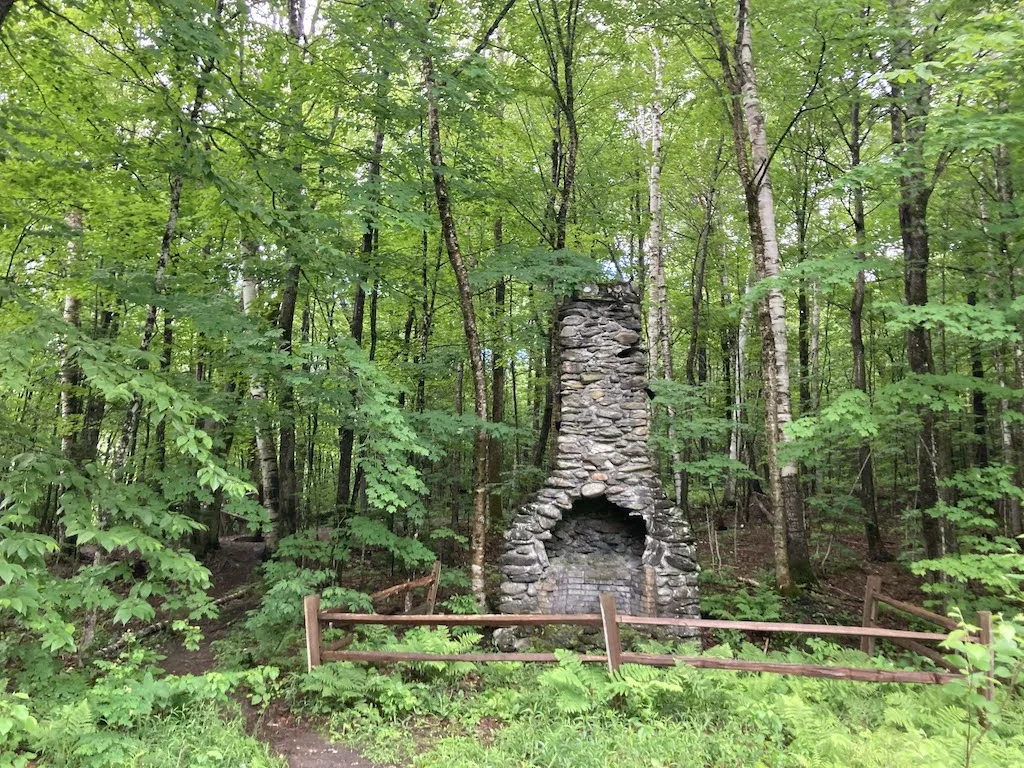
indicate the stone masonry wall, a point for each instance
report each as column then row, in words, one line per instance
column 602, row 454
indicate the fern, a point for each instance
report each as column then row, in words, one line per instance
column 574, row 688
column 439, row 640
column 331, row 685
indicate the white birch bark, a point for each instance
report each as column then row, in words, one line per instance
column 265, row 444
column 70, row 373
column 780, row 401
column 658, row 323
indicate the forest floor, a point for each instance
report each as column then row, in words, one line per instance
column 233, row 566
column 840, row 561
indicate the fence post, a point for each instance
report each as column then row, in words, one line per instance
column 871, row 588
column 311, row 611
column 985, row 638
column 432, row 593
column 610, row 622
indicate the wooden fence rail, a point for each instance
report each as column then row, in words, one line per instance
column 430, row 581
column 315, row 652
column 874, row 597
column 610, row 622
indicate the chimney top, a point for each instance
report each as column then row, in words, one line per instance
column 611, row 291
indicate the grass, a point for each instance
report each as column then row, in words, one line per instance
column 197, row 737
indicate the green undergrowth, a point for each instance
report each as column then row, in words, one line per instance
column 125, row 713
column 204, row 736
column 576, row 716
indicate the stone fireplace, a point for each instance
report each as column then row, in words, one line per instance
column 602, row 522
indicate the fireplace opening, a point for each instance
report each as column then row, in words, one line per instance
column 597, row 547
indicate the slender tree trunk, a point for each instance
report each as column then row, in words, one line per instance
column 865, row 468
column 699, row 268
column 775, row 345
column 738, row 404
column 559, row 36
column 359, row 492
column 549, row 394
column 70, row 385
column 803, row 335
column 1012, row 433
column 301, row 470
column 70, row 371
column 265, row 447
column 371, row 353
column 96, row 403
column 287, row 483
column 346, row 439
column 498, row 368
column 1014, row 520
column 166, row 356
column 979, row 409
column 658, row 323
column 476, row 363
column 5, row 8
column 908, row 112
column 734, row 77
column 129, row 432
column 407, row 356
column 287, row 488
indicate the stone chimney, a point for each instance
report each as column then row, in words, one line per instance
column 602, row 522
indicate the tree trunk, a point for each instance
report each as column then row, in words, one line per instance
column 658, row 323
column 908, row 112
column 734, row 80
column 287, row 489
column 476, row 363
column 498, row 368
column 129, row 432
column 346, row 439
column 166, row 356
column 739, row 375
column 559, row 39
column 265, row 448
column 549, row 393
column 70, row 371
column 5, row 9
column 708, row 201
column 803, row 335
column 1011, row 504
column 410, row 323
column 979, row 409
column 302, row 471
column 774, row 314
column 1012, row 433
column 70, row 386
column 864, row 488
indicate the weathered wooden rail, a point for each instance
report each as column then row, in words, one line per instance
column 609, row 621
column 311, row 610
column 874, row 597
column 405, row 588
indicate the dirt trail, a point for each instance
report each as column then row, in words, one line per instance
column 232, row 567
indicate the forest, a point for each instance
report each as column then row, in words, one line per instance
column 280, row 316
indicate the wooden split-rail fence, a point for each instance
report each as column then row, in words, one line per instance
column 610, row 621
